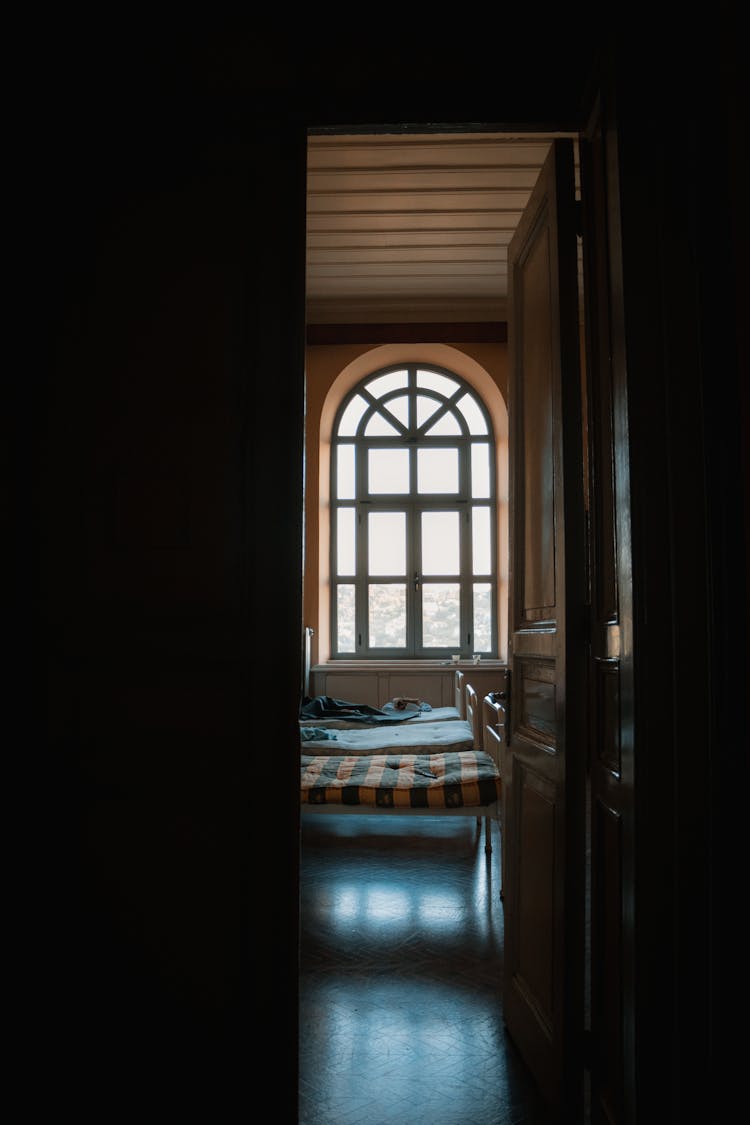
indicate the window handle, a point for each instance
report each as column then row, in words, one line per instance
column 416, row 580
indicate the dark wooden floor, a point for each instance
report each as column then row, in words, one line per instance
column 401, row 977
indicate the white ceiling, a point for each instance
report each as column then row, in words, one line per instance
column 415, row 227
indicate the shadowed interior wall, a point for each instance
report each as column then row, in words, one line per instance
column 168, row 510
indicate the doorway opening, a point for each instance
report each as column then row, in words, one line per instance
column 407, row 243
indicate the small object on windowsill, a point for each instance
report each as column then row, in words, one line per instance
column 455, row 658
column 476, row 658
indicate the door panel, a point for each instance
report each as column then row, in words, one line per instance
column 544, row 759
column 537, row 595
column 611, row 762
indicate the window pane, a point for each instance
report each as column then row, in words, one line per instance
column 345, row 548
column 482, row 618
column 431, row 381
column 437, row 470
column 480, row 470
column 388, row 470
column 345, row 618
column 345, row 472
column 391, row 381
column 440, row 543
column 441, row 620
column 386, row 603
column 351, row 416
column 378, row 426
column 426, row 407
column 473, row 415
column 480, row 541
column 447, row 426
column 386, row 533
column 400, row 408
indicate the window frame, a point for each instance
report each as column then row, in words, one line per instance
column 413, row 437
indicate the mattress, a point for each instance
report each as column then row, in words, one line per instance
column 411, row 737
column 466, row 779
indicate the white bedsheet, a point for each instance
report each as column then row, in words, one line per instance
column 411, row 737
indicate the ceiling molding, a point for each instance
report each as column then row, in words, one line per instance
column 376, row 309
column 484, row 332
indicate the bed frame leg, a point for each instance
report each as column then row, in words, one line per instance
column 487, row 836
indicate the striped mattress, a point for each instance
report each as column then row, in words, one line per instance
column 464, row 779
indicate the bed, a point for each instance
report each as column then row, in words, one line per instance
column 342, row 715
column 420, row 766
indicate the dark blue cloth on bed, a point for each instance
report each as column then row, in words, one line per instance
column 326, row 707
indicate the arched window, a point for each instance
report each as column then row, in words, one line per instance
column 413, row 535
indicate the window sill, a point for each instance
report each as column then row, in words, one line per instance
column 417, row 664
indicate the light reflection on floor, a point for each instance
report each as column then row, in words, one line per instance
column 401, row 977
column 377, row 903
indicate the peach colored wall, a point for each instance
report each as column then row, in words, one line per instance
column 331, row 370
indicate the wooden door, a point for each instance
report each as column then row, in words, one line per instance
column 544, row 763
column 611, row 775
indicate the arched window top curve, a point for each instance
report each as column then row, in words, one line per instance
column 414, row 403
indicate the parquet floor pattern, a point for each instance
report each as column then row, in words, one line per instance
column 401, row 977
